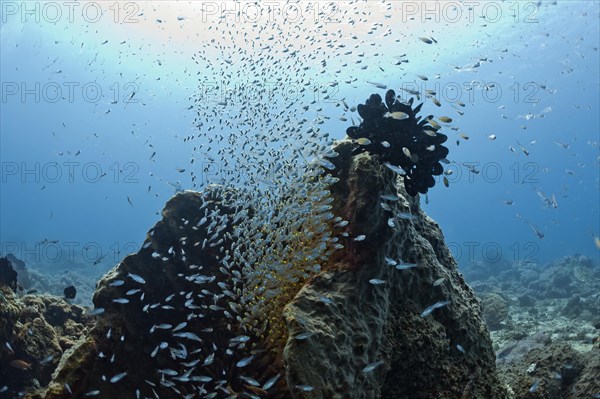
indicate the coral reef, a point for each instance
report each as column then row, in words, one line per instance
column 35, row 330
column 517, row 350
column 10, row 309
column 201, row 308
column 208, row 323
column 53, row 277
column 23, row 277
column 553, row 371
column 564, row 278
column 495, row 310
column 8, row 275
column 550, row 347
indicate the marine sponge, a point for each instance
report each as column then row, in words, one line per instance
column 398, row 136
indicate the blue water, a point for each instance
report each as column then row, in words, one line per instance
column 54, row 148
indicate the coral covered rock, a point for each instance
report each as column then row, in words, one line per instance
column 200, row 308
column 8, row 275
column 495, row 310
column 23, row 277
column 555, row 371
column 164, row 306
column 357, row 325
column 33, row 340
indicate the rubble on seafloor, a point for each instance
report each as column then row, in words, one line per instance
column 545, row 324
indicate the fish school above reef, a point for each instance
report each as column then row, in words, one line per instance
column 344, row 289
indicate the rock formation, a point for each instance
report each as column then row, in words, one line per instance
column 447, row 354
column 357, row 329
column 35, row 331
column 553, row 371
column 8, row 275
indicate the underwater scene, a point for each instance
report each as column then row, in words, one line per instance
column 300, row 199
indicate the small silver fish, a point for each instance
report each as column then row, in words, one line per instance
column 404, row 266
column 534, row 386
column 118, row 377
column 386, row 206
column 376, row 281
column 167, row 372
column 395, row 169
column 164, row 326
column 378, row 85
column 433, row 307
column 399, row 116
column 96, row 312
column 324, row 299
column 188, row 335
column 406, row 216
column 46, row 360
column 439, row 281
column 270, row 382
column 136, row 278
column 244, row 362
column 304, row 335
column 372, row 366
column 326, row 164
column 250, row 381
column 154, row 352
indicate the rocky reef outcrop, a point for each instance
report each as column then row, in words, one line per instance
column 495, row 309
column 35, row 331
column 552, row 371
column 8, row 275
column 447, row 353
column 20, row 268
column 386, row 315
